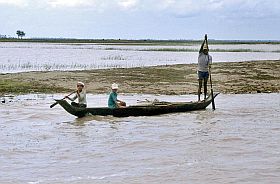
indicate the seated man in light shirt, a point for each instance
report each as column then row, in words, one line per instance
column 81, row 95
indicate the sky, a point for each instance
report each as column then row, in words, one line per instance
column 142, row 19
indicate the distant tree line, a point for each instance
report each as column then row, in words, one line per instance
column 3, row 36
column 20, row 34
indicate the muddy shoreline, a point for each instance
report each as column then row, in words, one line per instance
column 233, row 77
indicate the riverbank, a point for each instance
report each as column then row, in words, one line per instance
column 134, row 42
column 233, row 77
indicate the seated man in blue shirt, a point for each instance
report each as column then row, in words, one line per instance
column 113, row 101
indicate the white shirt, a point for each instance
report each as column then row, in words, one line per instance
column 82, row 99
column 203, row 62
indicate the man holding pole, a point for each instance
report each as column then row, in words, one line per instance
column 204, row 64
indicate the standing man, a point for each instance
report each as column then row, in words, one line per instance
column 204, row 63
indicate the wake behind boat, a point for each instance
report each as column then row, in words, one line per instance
column 138, row 110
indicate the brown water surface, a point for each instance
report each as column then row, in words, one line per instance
column 237, row 143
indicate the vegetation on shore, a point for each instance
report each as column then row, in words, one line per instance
column 236, row 77
column 196, row 50
column 135, row 42
column 12, row 86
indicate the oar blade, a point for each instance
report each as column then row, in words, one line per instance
column 213, row 102
column 54, row 104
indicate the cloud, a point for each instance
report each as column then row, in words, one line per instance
column 177, row 8
column 70, row 3
column 14, row 2
column 141, row 18
column 251, row 8
column 127, row 4
column 226, row 8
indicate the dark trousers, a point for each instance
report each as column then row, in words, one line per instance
column 78, row 105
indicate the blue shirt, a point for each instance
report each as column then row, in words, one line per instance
column 112, row 101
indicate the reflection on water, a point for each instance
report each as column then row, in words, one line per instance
column 237, row 143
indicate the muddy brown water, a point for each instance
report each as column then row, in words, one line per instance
column 237, row 143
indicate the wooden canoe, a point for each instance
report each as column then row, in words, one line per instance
column 138, row 110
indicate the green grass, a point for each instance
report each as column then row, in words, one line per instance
column 195, row 50
column 19, row 87
column 135, row 42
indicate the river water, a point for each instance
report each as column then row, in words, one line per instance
column 23, row 57
column 236, row 143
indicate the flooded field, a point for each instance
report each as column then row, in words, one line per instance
column 237, row 143
column 17, row 57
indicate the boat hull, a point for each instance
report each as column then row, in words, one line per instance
column 138, row 110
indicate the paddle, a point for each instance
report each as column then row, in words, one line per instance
column 210, row 77
column 54, row 104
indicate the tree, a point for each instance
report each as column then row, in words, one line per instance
column 20, row 34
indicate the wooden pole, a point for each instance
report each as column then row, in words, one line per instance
column 210, row 77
